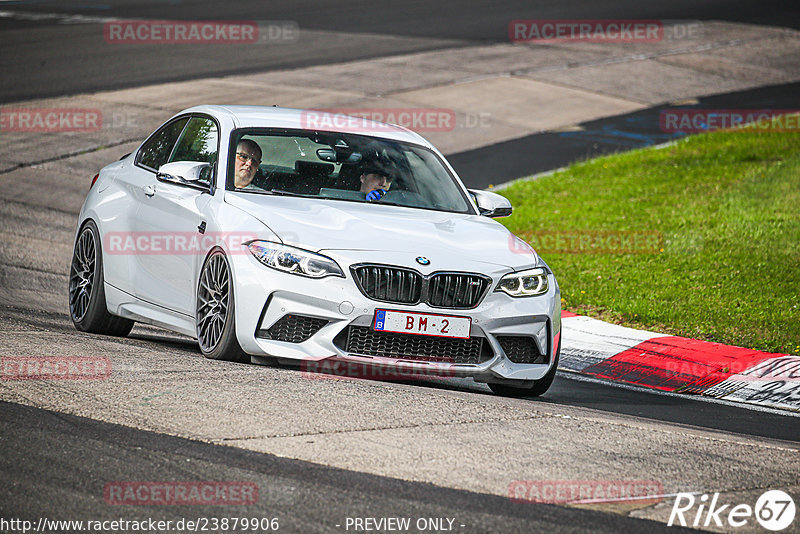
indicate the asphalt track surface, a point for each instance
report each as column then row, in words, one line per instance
column 53, row 57
column 55, row 465
column 62, row 453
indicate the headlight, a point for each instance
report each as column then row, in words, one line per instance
column 524, row 283
column 294, row 260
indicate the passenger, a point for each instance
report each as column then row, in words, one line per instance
column 248, row 158
column 375, row 183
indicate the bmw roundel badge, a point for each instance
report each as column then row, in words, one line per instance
column 422, row 260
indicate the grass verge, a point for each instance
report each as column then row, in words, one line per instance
column 698, row 239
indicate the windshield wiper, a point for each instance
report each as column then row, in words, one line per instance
column 290, row 194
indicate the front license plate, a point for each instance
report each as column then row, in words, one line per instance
column 423, row 324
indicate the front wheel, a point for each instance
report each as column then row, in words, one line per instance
column 87, row 296
column 539, row 387
column 215, row 318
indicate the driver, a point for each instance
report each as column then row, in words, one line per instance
column 247, row 160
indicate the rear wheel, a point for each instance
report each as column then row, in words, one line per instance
column 87, row 296
column 539, row 387
column 216, row 325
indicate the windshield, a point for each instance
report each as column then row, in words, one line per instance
column 343, row 167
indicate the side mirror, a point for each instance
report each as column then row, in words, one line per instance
column 183, row 172
column 491, row 204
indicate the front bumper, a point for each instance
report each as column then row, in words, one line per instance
column 330, row 307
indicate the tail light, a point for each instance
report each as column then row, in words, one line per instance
column 96, row 176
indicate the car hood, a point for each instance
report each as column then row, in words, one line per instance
column 334, row 225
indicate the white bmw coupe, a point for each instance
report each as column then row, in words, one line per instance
column 291, row 235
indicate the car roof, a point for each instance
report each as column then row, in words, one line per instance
column 307, row 119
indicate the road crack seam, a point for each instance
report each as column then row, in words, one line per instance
column 658, row 428
column 398, row 427
column 68, row 155
column 574, row 65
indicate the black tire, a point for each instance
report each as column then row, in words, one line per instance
column 87, row 295
column 215, row 319
column 539, row 387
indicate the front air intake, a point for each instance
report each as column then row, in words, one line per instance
column 293, row 328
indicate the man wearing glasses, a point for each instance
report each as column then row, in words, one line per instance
column 248, row 158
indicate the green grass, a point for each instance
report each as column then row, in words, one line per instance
column 727, row 206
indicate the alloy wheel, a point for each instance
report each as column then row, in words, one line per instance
column 81, row 279
column 212, row 302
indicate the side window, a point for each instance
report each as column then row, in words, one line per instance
column 198, row 143
column 156, row 151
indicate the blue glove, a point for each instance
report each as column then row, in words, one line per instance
column 376, row 194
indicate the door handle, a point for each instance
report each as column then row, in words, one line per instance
column 149, row 190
